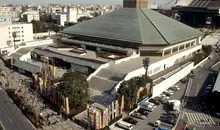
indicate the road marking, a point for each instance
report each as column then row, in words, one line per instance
column 199, row 118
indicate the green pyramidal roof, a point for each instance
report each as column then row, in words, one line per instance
column 137, row 25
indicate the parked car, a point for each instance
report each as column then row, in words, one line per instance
column 148, row 106
column 138, row 115
column 165, row 96
column 168, row 121
column 156, row 102
column 157, row 123
column 143, row 112
column 168, row 92
column 175, row 88
column 130, row 120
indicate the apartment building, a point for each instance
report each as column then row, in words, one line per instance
column 13, row 34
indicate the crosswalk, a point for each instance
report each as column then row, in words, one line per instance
column 199, row 118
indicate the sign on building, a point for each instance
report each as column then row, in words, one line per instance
column 5, row 20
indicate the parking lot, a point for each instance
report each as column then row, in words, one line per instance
column 158, row 111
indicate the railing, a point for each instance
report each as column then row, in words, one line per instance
column 126, row 59
column 97, row 70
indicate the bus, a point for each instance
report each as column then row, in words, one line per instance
column 124, row 125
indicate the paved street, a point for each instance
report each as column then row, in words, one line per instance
column 196, row 113
column 10, row 116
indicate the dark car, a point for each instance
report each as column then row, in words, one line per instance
column 168, row 121
column 130, row 120
column 138, row 115
column 156, row 102
column 143, row 112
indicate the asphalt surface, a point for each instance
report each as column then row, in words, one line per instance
column 196, row 90
column 10, row 116
column 158, row 111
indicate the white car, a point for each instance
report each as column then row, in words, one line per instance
column 169, row 92
column 165, row 97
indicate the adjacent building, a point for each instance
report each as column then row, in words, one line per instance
column 198, row 13
column 61, row 19
column 72, row 14
column 28, row 16
column 9, row 12
column 13, row 34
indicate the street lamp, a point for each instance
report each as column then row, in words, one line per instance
column 14, row 35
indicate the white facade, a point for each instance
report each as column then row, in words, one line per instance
column 24, row 32
column 28, row 16
column 61, row 19
column 72, row 14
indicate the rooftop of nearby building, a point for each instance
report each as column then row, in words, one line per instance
column 214, row 4
column 135, row 25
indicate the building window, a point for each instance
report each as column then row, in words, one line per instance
column 8, row 28
column 187, row 45
column 192, row 43
column 22, row 27
column 182, row 47
column 15, row 27
column 22, row 35
column 167, row 52
column 9, row 36
column 22, row 39
column 22, row 31
column 9, row 32
column 175, row 49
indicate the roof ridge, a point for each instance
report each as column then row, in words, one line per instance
column 154, row 26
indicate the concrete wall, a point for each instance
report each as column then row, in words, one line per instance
column 25, row 57
column 36, row 35
column 172, row 80
column 127, row 58
column 170, row 61
column 159, row 65
column 97, row 70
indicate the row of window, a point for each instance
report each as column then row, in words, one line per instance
column 15, row 27
column 181, row 47
column 17, row 32
column 17, row 36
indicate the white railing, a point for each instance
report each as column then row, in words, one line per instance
column 97, row 70
column 32, row 43
column 127, row 58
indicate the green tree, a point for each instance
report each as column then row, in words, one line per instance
column 74, row 86
column 207, row 50
column 146, row 62
column 198, row 57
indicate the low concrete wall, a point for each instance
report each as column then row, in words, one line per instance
column 126, row 59
column 201, row 62
column 97, row 70
column 172, row 80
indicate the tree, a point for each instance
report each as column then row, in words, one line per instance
column 74, row 86
column 207, row 50
column 146, row 62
